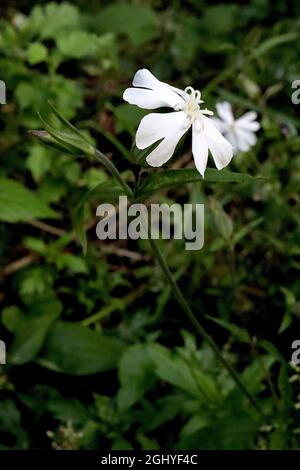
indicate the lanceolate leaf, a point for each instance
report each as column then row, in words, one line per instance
column 64, row 121
column 169, row 178
column 47, row 139
column 72, row 141
column 239, row 333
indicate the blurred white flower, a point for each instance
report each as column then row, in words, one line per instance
column 239, row 132
column 149, row 93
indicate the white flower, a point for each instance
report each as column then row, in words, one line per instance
column 150, row 93
column 240, row 132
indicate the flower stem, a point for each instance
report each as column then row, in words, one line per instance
column 187, row 310
column 113, row 170
column 178, row 294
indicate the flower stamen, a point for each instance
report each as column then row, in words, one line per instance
column 191, row 105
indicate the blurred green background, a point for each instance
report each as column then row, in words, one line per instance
column 99, row 354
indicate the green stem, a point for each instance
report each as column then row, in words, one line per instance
column 109, row 136
column 187, row 310
column 116, row 306
column 113, row 170
column 178, row 294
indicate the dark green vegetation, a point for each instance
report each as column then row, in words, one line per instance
column 99, row 353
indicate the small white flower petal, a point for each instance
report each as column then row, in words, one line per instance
column 247, row 122
column 145, row 79
column 147, row 99
column 156, row 126
column 219, row 147
column 233, row 140
column 162, row 93
column 246, row 139
column 225, row 112
column 169, row 127
column 199, row 149
column 220, row 125
column 239, row 132
column 163, row 152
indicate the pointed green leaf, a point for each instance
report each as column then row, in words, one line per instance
column 169, row 178
column 71, row 141
column 239, row 333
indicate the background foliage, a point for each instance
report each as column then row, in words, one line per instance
column 99, row 353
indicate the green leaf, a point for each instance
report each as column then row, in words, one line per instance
column 221, row 219
column 9, row 416
column 182, row 374
column 239, row 333
column 11, row 317
column 237, row 237
column 73, row 263
column 78, row 221
column 235, row 431
column 135, row 374
column 74, row 141
column 285, row 323
column 68, row 124
column 38, row 161
column 36, row 53
column 285, row 389
column 170, row 178
column 19, row 204
column 270, row 43
column 10, row 423
column 272, row 350
column 220, row 19
column 76, row 350
column 30, row 94
column 117, row 18
column 31, row 331
column 45, row 138
column 63, row 409
column 77, row 44
column 194, row 424
column 52, row 19
column 254, row 375
column 290, row 301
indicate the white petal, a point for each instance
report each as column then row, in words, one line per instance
column 232, row 139
column 199, row 149
column 147, row 99
column 247, row 122
column 246, row 139
column 162, row 93
column 156, row 126
column 173, row 88
column 170, row 127
column 219, row 147
column 151, row 99
column 145, row 79
column 221, row 125
column 163, row 152
column 225, row 111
